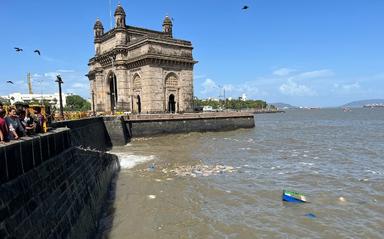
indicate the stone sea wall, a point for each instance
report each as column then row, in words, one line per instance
column 98, row 132
column 61, row 198
column 152, row 126
column 19, row 157
column 90, row 133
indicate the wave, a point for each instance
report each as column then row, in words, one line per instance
column 128, row 161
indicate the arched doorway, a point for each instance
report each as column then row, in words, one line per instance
column 138, row 104
column 171, row 90
column 171, row 104
column 113, row 91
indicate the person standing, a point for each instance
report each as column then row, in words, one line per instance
column 38, row 120
column 16, row 130
column 3, row 127
column 27, row 122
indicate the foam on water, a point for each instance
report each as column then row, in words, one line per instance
column 128, row 161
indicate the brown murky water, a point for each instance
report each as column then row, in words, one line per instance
column 334, row 157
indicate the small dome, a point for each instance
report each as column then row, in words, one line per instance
column 119, row 10
column 98, row 24
column 167, row 21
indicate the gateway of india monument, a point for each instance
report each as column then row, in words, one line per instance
column 139, row 70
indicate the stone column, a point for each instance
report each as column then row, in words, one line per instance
column 122, row 89
column 152, row 89
column 99, row 90
column 186, row 91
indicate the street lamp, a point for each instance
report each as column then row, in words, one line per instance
column 60, row 81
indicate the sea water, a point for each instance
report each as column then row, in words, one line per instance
column 232, row 182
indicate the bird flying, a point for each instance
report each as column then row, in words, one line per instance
column 18, row 49
column 10, row 82
column 245, row 7
column 37, row 51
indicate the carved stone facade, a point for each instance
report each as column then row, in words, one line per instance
column 139, row 70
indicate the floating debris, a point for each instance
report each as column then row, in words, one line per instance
column 310, row 215
column 151, row 196
column 200, row 170
column 342, row 199
column 152, row 167
column 289, row 196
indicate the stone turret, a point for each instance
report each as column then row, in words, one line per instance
column 98, row 32
column 167, row 26
column 98, row 28
column 119, row 17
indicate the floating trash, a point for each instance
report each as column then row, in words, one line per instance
column 310, row 215
column 201, row 170
column 363, row 180
column 342, row 199
column 158, row 180
column 152, row 167
column 290, row 196
column 151, row 196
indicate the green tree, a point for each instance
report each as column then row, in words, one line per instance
column 77, row 103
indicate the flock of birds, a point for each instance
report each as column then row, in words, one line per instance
column 18, row 49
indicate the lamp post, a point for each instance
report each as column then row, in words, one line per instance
column 60, row 81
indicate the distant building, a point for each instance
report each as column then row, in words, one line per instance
column 27, row 98
column 212, row 99
column 243, row 97
column 140, row 70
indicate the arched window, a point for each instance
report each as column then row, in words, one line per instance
column 171, row 81
column 136, row 82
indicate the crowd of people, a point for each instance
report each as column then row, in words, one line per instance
column 19, row 122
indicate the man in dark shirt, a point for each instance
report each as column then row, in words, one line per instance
column 16, row 130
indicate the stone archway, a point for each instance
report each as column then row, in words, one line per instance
column 171, row 103
column 137, row 103
column 113, row 97
column 171, row 96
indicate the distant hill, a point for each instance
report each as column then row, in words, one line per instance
column 284, row 106
column 361, row 103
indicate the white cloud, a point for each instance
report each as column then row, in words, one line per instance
column 283, row 72
column 208, row 86
column 315, row 74
column 294, row 89
column 198, row 77
column 80, row 85
column 347, row 87
column 65, row 71
column 51, row 75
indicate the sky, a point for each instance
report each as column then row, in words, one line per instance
column 302, row 52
